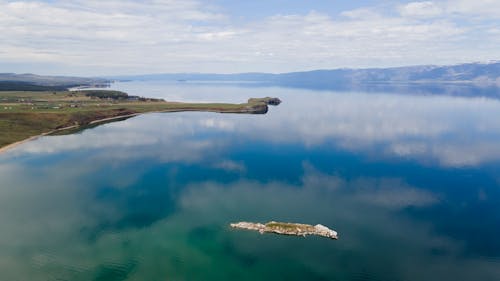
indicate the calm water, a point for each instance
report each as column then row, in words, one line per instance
column 410, row 182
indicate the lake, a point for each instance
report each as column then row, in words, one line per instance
column 411, row 181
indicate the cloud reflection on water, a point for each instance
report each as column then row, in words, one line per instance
column 364, row 210
column 151, row 196
column 448, row 131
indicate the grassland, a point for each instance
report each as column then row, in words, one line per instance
column 27, row 114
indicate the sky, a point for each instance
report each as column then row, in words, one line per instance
column 116, row 37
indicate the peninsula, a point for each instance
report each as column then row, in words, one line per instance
column 296, row 229
column 25, row 115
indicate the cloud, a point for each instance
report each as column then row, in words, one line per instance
column 421, row 9
column 111, row 33
column 179, row 36
column 479, row 8
column 361, row 14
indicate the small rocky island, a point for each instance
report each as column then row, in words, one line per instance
column 297, row 229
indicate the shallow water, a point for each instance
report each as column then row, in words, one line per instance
column 410, row 182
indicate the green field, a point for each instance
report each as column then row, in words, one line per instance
column 27, row 114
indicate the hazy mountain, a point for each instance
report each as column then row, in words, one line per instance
column 482, row 74
column 455, row 79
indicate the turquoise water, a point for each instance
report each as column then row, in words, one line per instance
column 411, row 183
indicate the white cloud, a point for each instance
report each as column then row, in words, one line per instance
column 479, row 8
column 178, row 36
column 362, row 14
column 421, row 9
column 464, row 9
column 111, row 33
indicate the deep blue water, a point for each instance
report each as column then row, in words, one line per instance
column 410, row 181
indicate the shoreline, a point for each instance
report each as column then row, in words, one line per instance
column 97, row 121
column 253, row 106
column 32, row 138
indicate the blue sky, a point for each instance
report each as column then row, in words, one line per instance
column 77, row 37
column 255, row 10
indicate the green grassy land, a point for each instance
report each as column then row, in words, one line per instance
column 289, row 226
column 26, row 114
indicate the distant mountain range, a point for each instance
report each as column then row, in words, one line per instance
column 479, row 74
column 469, row 79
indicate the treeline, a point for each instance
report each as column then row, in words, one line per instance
column 25, row 86
column 116, row 95
column 106, row 94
